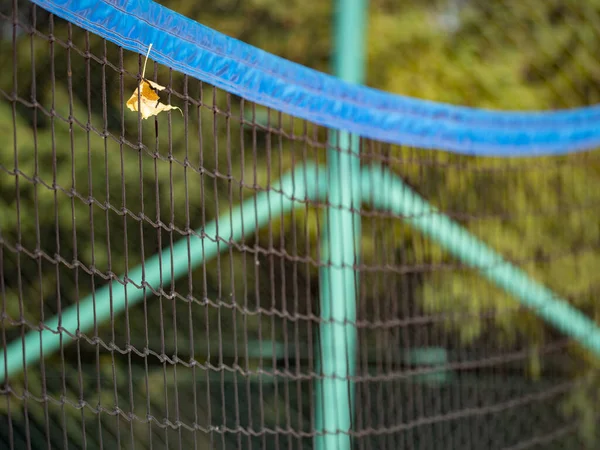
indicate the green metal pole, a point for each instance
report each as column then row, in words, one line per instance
column 299, row 185
column 334, row 405
column 389, row 192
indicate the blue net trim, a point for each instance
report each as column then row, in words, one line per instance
column 266, row 79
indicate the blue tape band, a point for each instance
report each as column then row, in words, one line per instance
column 258, row 76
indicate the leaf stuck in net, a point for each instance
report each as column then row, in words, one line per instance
column 145, row 99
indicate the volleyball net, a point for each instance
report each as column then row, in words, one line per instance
column 203, row 245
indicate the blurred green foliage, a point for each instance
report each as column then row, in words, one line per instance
column 76, row 184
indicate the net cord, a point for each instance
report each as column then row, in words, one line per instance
column 229, row 64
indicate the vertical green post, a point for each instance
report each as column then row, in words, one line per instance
column 340, row 249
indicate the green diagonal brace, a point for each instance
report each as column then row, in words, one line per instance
column 300, row 185
column 392, row 194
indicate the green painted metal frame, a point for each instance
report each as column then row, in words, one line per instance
column 340, row 249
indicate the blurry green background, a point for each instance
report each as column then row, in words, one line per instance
column 86, row 201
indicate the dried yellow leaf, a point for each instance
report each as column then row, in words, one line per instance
column 145, row 98
column 148, row 101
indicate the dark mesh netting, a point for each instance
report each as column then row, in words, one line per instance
column 176, row 266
